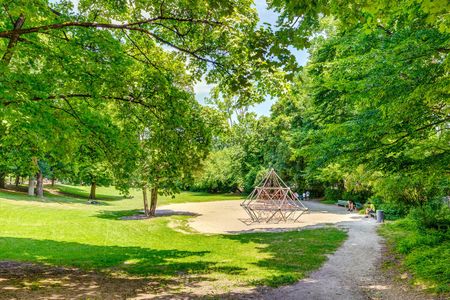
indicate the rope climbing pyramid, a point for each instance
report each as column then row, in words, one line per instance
column 273, row 200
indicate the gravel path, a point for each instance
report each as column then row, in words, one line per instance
column 348, row 274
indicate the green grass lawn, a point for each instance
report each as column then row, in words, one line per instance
column 65, row 231
column 105, row 194
column 423, row 253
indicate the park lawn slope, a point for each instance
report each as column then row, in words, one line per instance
column 425, row 254
column 110, row 193
column 91, row 237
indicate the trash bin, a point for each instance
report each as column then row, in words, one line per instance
column 380, row 216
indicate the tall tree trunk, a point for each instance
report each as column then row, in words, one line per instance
column 144, row 194
column 53, row 181
column 93, row 188
column 40, row 185
column 2, row 180
column 17, row 182
column 153, row 201
column 31, row 186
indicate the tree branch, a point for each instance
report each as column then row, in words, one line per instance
column 128, row 99
column 128, row 26
column 13, row 39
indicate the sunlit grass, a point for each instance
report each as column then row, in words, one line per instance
column 59, row 232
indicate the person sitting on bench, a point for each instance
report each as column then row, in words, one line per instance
column 370, row 210
column 350, row 205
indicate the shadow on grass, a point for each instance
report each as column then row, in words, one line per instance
column 138, row 214
column 19, row 195
column 292, row 254
column 118, row 214
column 132, row 260
column 81, row 193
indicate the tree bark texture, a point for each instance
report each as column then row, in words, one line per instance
column 13, row 39
column 144, row 194
column 2, row 180
column 40, row 185
column 31, row 186
column 93, row 189
column 153, row 201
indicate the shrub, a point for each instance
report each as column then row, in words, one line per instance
column 333, row 194
column 432, row 216
column 392, row 210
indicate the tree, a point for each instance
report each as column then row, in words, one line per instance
column 46, row 43
column 60, row 59
column 378, row 99
column 299, row 20
column 171, row 144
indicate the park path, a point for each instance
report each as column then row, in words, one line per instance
column 348, row 274
column 353, row 272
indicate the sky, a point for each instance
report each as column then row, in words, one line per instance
column 202, row 89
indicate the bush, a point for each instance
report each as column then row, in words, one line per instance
column 253, row 177
column 392, row 210
column 432, row 216
column 221, row 171
column 333, row 194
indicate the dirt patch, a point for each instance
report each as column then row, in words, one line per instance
column 349, row 269
column 221, row 217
